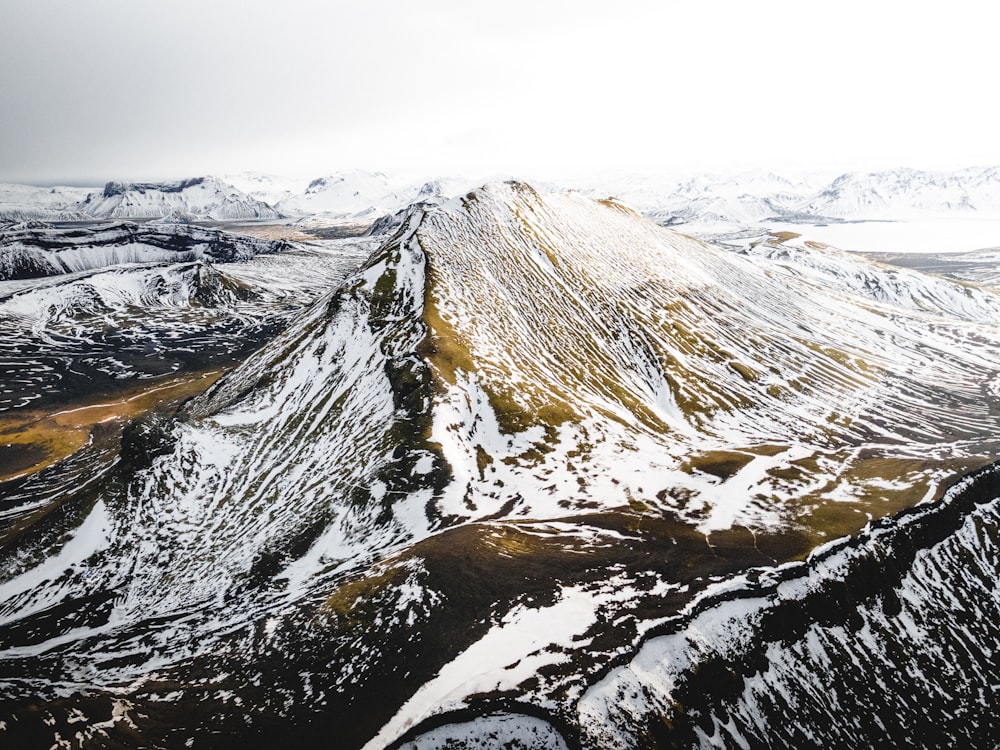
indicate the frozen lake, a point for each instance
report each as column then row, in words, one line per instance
column 937, row 235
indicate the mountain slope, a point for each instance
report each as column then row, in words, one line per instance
column 101, row 331
column 528, row 432
column 891, row 636
column 607, row 331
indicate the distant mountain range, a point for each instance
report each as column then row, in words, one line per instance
column 360, row 196
column 751, row 197
column 201, row 198
column 738, row 198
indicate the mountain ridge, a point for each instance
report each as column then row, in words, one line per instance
column 740, row 198
column 413, row 479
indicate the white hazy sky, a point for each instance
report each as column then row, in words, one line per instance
column 135, row 89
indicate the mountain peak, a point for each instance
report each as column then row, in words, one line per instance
column 529, row 433
column 206, row 197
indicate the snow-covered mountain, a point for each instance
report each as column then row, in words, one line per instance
column 268, row 188
column 742, row 197
column 739, row 197
column 467, row 492
column 20, row 203
column 368, row 196
column 105, row 331
column 204, row 197
column 355, row 194
column 907, row 193
column 753, row 197
column 346, row 193
column 746, row 198
column 201, row 198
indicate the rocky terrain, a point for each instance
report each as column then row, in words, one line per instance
column 532, row 471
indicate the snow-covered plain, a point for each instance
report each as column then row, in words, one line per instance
column 952, row 234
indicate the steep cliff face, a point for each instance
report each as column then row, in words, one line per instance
column 484, row 478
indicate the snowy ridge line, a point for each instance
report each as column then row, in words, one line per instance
column 892, row 286
column 176, row 506
column 694, row 653
column 238, row 424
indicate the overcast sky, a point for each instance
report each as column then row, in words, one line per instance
column 134, row 89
